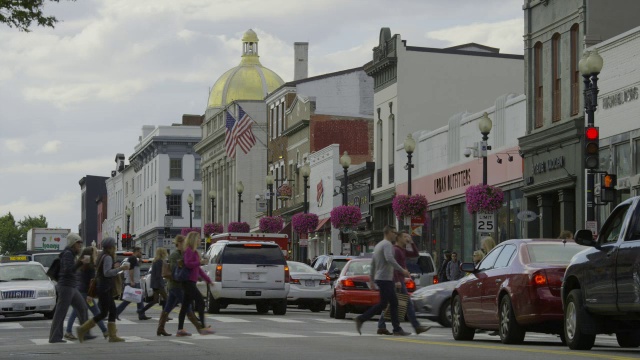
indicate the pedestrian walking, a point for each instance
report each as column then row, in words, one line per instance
column 381, row 275
column 85, row 274
column 487, row 244
column 478, row 255
column 401, row 252
column 442, row 273
column 453, row 268
column 106, row 272
column 191, row 260
column 157, row 281
column 66, row 288
column 133, row 281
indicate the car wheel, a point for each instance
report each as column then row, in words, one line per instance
column 340, row 311
column 262, row 308
column 332, row 309
column 213, row 306
column 510, row 331
column 630, row 339
column 574, row 318
column 445, row 314
column 280, row 307
column 459, row 328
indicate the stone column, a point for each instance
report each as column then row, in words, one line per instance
column 545, row 209
column 567, row 201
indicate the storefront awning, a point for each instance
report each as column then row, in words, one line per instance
column 286, row 229
column 321, row 224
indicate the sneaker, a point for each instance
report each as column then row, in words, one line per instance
column 358, row 325
column 182, row 333
column 421, row 329
column 383, row 331
column 206, row 331
column 401, row 333
column 70, row 336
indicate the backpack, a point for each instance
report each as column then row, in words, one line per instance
column 54, row 269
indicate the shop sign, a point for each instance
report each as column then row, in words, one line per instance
column 453, row 181
column 360, row 197
column 548, row 165
column 619, row 98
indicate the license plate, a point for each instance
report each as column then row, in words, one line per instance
column 253, row 293
column 309, row 283
column 253, row 276
column 18, row 307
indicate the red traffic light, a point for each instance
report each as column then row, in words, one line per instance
column 591, row 133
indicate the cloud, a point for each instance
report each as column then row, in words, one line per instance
column 51, row 147
column 15, row 145
column 53, row 208
column 75, row 167
column 506, row 35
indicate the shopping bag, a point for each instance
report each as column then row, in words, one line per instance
column 403, row 301
column 131, row 294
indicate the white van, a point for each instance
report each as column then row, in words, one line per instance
column 423, row 270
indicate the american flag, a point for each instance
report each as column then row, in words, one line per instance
column 243, row 133
column 229, row 140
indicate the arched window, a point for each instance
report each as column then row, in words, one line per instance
column 537, row 84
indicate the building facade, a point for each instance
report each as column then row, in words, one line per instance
column 92, row 190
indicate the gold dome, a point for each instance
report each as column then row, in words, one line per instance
column 247, row 81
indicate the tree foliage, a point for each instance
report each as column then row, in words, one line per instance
column 13, row 235
column 22, row 13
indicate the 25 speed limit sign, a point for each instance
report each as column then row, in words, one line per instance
column 485, row 222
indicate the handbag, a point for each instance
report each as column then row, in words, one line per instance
column 117, row 286
column 91, row 290
column 403, row 301
column 132, row 294
column 166, row 270
column 181, row 273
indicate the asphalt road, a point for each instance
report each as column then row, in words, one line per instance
column 241, row 333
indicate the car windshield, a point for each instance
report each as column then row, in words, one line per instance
column 45, row 259
column 338, row 264
column 553, row 253
column 300, row 268
column 22, row 272
column 253, row 254
column 358, row 268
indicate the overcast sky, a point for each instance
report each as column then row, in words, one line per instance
column 74, row 96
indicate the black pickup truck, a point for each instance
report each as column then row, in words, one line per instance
column 601, row 287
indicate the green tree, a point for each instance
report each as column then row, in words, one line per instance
column 30, row 222
column 22, row 13
column 10, row 241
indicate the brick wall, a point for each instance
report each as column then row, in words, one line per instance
column 354, row 135
column 188, row 119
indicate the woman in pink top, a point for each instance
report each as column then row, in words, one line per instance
column 191, row 260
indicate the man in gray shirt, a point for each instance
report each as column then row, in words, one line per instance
column 381, row 275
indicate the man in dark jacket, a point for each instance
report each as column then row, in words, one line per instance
column 68, row 294
column 442, row 274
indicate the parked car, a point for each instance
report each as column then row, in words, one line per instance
column 308, row 287
column 601, row 288
column 330, row 265
column 423, row 270
column 514, row 289
column 25, row 288
column 44, row 257
column 351, row 291
column 434, row 302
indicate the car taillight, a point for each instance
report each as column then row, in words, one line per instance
column 287, row 278
column 410, row 284
column 328, row 277
column 219, row 273
column 435, row 279
column 294, row 281
column 325, row 282
column 348, row 283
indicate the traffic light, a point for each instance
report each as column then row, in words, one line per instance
column 608, row 191
column 591, row 147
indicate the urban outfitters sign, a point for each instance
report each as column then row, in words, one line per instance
column 452, row 181
column 548, row 165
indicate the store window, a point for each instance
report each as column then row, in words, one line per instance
column 637, row 157
column 623, row 160
column 469, row 226
column 456, row 221
column 605, row 159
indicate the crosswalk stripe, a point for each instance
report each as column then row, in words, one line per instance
column 275, row 335
column 46, row 342
column 344, row 333
column 181, row 342
column 332, row 321
column 135, row 339
column 282, row 320
column 228, row 319
column 10, row 326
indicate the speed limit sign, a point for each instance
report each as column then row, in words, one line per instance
column 485, row 222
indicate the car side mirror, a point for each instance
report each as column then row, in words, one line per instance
column 468, row 267
column 584, row 237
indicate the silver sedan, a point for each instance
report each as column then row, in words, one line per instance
column 434, row 302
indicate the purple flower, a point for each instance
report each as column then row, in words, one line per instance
column 211, row 228
column 404, row 205
column 345, row 216
column 187, row 230
column 483, row 198
column 271, row 224
column 241, row 227
column 304, row 223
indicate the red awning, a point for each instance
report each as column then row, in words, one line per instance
column 321, row 224
column 286, row 229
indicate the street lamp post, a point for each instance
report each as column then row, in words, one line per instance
column 305, row 171
column 269, row 181
column 484, row 125
column 212, row 196
column 345, row 161
column 117, row 235
column 590, row 66
column 127, row 212
column 409, row 147
column 240, row 190
column 190, row 202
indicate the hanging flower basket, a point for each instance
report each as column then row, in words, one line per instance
column 187, row 230
column 271, row 224
column 284, row 192
column 404, row 205
column 241, row 227
column 484, row 198
column 304, row 223
column 345, row 217
column 213, row 228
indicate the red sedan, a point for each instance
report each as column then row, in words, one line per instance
column 351, row 292
column 514, row 289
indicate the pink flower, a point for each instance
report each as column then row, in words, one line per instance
column 483, row 198
column 185, row 231
column 304, row 223
column 271, row 224
column 345, row 216
column 241, row 227
column 404, row 205
column 211, row 228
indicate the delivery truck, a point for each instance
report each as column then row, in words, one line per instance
column 43, row 239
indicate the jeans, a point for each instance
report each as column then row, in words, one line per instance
column 387, row 297
column 123, row 305
column 411, row 313
column 191, row 296
column 94, row 310
column 176, row 295
column 67, row 296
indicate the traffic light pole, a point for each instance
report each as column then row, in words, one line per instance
column 590, row 105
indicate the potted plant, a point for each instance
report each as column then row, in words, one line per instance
column 304, row 223
column 483, row 198
column 345, row 217
column 284, row 192
column 271, row 224
column 407, row 206
column 213, row 228
column 241, row 227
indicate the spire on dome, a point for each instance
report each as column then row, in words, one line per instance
column 250, row 47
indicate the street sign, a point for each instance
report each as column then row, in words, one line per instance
column 417, row 220
column 593, row 226
column 485, row 222
column 261, row 206
column 416, row 230
column 168, row 221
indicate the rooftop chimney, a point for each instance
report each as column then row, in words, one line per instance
column 301, row 60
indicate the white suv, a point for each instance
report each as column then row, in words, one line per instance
column 247, row 273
